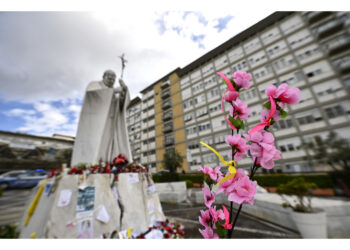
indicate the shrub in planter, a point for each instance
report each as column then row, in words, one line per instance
column 189, row 184
column 310, row 222
column 300, row 188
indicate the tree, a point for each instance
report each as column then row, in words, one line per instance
column 331, row 151
column 172, row 160
column 64, row 156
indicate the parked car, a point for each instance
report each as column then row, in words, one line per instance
column 21, row 178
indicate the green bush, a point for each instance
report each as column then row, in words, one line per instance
column 189, row 184
column 8, row 232
column 0, row 192
column 300, row 188
column 194, row 178
column 166, row 177
column 274, row 180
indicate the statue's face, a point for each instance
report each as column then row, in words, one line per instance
column 109, row 80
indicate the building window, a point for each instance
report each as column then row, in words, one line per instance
column 283, row 148
column 347, row 83
column 335, row 111
column 290, row 147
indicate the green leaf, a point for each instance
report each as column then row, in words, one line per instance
column 238, row 123
column 220, row 230
column 283, row 114
column 267, row 105
column 242, row 125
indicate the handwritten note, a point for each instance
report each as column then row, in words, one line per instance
column 133, row 178
column 64, row 198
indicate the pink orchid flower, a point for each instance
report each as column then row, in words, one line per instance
column 216, row 215
column 227, row 186
column 205, row 169
column 208, row 197
column 204, row 219
column 284, row 94
column 263, row 148
column 239, row 145
column 208, row 233
column 242, row 79
column 214, row 174
column 230, row 96
column 244, row 191
column 227, row 218
column 264, row 114
column 240, row 109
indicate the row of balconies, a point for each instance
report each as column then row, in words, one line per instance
column 339, row 46
column 330, row 28
column 316, row 16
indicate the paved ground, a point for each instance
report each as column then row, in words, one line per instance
column 247, row 227
column 12, row 206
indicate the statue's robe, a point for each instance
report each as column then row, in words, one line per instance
column 102, row 130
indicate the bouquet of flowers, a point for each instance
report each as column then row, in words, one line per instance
column 258, row 144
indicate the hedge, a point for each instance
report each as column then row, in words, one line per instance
column 266, row 180
column 195, row 178
column 166, row 177
column 274, row 180
column 170, row 177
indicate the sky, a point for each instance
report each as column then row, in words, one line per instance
column 48, row 57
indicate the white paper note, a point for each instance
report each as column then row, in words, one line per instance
column 154, row 234
column 103, row 215
column 150, row 206
column 151, row 189
column 64, row 197
column 133, row 178
column 85, row 229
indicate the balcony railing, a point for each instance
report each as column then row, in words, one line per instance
column 166, row 105
column 316, row 16
column 167, row 116
column 343, row 67
column 165, row 94
column 169, row 141
column 167, row 128
column 338, row 47
column 330, row 28
column 165, row 84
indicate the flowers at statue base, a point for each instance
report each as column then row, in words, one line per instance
column 120, row 164
column 120, row 159
column 164, row 230
column 238, row 185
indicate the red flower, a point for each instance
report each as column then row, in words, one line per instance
column 72, row 171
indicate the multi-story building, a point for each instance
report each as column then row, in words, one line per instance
column 25, row 151
column 308, row 50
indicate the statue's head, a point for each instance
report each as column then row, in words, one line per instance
column 109, row 78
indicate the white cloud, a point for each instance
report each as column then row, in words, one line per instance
column 52, row 56
column 46, row 119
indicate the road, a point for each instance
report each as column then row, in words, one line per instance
column 12, row 205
